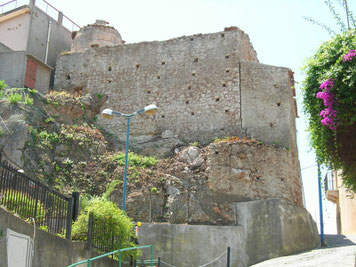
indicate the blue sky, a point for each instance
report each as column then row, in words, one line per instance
column 276, row 28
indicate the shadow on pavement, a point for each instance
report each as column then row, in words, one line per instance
column 333, row 241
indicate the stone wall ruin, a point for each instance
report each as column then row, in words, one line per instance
column 205, row 86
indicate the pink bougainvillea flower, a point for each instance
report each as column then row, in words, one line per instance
column 329, row 114
column 349, row 56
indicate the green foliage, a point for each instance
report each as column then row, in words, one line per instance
column 110, row 187
column 14, row 98
column 24, row 203
column 328, row 63
column 28, row 100
column 135, row 160
column 109, row 217
column 49, row 120
column 32, row 91
column 154, row 190
column 48, row 139
column 99, row 96
column 43, row 139
column 3, row 85
column 44, row 228
column 195, row 144
column 84, row 201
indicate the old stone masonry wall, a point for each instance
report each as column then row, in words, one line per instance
column 205, row 86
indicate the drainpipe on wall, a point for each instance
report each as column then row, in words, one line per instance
column 48, row 36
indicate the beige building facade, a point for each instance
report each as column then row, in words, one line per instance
column 345, row 205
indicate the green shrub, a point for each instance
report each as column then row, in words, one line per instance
column 28, row 100
column 49, row 120
column 14, row 98
column 135, row 160
column 110, row 187
column 3, row 85
column 32, row 91
column 109, row 217
column 154, row 190
column 46, row 139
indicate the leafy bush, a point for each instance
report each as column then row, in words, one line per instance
column 14, row 97
column 330, row 103
column 110, row 188
column 135, row 160
column 28, row 100
column 3, row 85
column 107, row 216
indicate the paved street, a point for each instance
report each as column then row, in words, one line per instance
column 339, row 251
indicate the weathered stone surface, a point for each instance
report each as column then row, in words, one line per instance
column 68, row 107
column 267, row 106
column 201, row 185
column 254, row 171
column 167, row 134
column 194, row 81
column 95, row 35
column 13, row 131
column 15, row 135
column 160, row 147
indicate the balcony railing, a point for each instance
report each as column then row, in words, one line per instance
column 45, row 6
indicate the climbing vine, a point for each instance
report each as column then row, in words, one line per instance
column 330, row 103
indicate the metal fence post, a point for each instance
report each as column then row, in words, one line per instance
column 90, row 231
column 151, row 250
column 36, row 202
column 228, row 257
column 75, row 196
column 69, row 219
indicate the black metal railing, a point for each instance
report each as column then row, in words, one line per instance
column 99, row 236
column 29, row 198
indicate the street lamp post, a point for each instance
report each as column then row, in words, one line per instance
column 110, row 114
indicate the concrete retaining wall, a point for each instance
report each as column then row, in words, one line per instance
column 194, row 245
column 274, row 228
column 266, row 229
column 49, row 249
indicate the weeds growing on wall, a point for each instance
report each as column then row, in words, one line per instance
column 16, row 95
column 135, row 160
